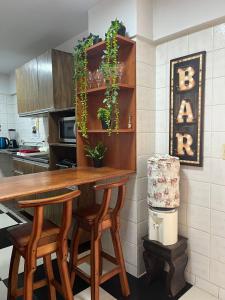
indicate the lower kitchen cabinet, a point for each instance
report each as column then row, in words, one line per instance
column 22, row 167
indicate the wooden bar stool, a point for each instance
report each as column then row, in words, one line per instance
column 96, row 220
column 41, row 239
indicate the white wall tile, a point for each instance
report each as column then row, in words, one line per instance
column 201, row 40
column 161, row 54
column 218, row 171
column 218, row 248
column 219, row 90
column 198, row 217
column 221, row 294
column 162, row 120
column 142, row 165
column 162, row 99
column 145, row 98
column 218, row 139
column 145, row 52
column 178, row 47
column 129, row 211
column 209, row 91
column 161, row 72
column 145, row 121
column 219, row 63
column 162, row 143
column 207, row 286
column 145, row 75
column 217, row 273
column 142, row 210
column 217, row 197
column 199, row 241
column 145, row 143
column 128, row 231
column 219, row 36
column 218, row 223
column 195, row 192
column 198, row 265
column 209, row 65
column 203, row 174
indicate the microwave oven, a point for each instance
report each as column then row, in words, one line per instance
column 67, row 130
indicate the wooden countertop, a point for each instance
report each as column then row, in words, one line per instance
column 17, row 186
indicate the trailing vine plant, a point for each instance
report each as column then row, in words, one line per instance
column 80, row 81
column 109, row 67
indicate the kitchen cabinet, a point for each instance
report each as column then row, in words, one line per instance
column 45, row 83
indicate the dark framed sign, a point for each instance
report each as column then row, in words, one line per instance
column 187, row 93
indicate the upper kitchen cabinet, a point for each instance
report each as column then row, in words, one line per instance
column 45, row 83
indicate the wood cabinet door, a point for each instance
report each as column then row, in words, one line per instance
column 62, row 70
column 45, row 81
column 27, row 87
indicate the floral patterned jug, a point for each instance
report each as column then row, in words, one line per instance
column 163, row 181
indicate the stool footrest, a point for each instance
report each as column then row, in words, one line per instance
column 109, row 275
column 37, row 285
column 109, row 257
column 82, row 274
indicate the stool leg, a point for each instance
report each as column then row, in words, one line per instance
column 13, row 274
column 94, row 267
column 100, row 257
column 64, row 275
column 50, row 276
column 28, row 281
column 119, row 256
column 74, row 254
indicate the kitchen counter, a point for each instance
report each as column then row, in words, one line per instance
column 26, row 185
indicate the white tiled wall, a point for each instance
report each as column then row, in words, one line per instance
column 9, row 118
column 202, row 211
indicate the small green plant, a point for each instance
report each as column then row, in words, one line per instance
column 104, row 116
column 96, row 153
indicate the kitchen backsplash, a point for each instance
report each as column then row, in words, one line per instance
column 9, row 118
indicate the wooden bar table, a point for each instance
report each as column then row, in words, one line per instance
column 25, row 185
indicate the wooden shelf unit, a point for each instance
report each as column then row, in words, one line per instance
column 121, row 147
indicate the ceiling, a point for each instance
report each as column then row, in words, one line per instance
column 29, row 27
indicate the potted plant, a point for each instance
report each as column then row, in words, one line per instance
column 104, row 115
column 121, row 27
column 96, row 38
column 96, row 153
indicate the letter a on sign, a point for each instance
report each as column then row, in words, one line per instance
column 185, row 111
column 186, row 80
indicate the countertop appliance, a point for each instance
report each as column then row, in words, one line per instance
column 12, row 139
column 67, row 130
column 4, row 142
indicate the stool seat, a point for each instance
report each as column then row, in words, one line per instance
column 20, row 235
column 89, row 214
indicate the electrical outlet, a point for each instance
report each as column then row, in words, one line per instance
column 223, row 154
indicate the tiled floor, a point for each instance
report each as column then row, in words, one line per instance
column 140, row 289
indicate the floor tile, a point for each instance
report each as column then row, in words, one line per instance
column 197, row 294
column 6, row 221
column 86, row 295
column 3, row 291
column 5, row 255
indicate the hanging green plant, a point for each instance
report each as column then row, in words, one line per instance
column 80, row 81
column 109, row 67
